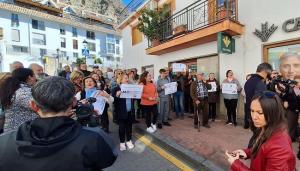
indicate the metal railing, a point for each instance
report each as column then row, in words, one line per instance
column 198, row 15
column 130, row 9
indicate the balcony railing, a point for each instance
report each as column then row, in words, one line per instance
column 196, row 16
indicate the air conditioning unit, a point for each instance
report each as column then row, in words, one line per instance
column 1, row 33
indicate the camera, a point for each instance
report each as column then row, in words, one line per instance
column 283, row 85
column 85, row 113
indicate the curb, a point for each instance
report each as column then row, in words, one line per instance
column 195, row 161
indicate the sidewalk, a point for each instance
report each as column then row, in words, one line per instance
column 209, row 143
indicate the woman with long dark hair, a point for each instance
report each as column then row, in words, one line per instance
column 3, row 76
column 15, row 95
column 272, row 148
column 149, row 101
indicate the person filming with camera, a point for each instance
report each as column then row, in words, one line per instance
column 90, row 90
column 54, row 141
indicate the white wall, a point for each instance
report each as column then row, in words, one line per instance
column 52, row 32
column 248, row 47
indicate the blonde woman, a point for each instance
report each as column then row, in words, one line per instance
column 124, row 108
column 76, row 78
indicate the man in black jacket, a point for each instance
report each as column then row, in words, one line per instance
column 66, row 72
column 55, row 142
column 255, row 84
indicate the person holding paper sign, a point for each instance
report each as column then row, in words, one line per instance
column 149, row 101
column 231, row 99
column 124, row 108
column 179, row 95
column 164, row 99
column 212, row 96
column 90, row 90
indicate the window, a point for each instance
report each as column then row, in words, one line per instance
column 43, row 52
column 62, row 31
column 75, row 44
column 40, row 25
column 117, row 41
column 91, row 46
column 63, row 42
column 74, row 32
column 118, row 50
column 20, row 49
column 38, row 39
column 14, row 20
column 75, row 55
column 15, row 35
column 63, row 53
column 90, row 35
column 136, row 35
column 110, row 43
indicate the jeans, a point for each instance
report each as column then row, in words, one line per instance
column 163, row 110
column 179, row 106
column 150, row 113
column 231, row 105
column 125, row 128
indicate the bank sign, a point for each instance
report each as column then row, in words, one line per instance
column 226, row 44
column 290, row 25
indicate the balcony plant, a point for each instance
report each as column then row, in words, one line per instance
column 149, row 23
column 225, row 10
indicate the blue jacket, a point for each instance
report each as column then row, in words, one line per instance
column 254, row 85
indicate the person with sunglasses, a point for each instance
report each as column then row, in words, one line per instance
column 272, row 148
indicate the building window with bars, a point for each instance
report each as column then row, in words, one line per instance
column 43, row 52
column 14, row 20
column 75, row 55
column 62, row 31
column 90, row 35
column 91, row 46
column 110, row 44
column 38, row 39
column 40, row 25
column 75, row 44
column 74, row 32
column 63, row 42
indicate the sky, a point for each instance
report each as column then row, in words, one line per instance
column 126, row 2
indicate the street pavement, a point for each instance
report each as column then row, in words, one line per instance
column 141, row 158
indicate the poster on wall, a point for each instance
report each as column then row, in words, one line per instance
column 286, row 60
column 178, row 67
column 150, row 69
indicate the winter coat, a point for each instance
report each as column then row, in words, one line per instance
column 56, row 144
column 275, row 154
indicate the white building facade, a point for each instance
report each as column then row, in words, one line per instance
column 198, row 48
column 35, row 36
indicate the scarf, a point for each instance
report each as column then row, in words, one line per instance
column 90, row 92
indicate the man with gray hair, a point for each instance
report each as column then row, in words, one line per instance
column 16, row 65
column 55, row 141
column 38, row 71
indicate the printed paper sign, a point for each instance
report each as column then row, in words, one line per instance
column 131, row 91
column 178, row 67
column 213, row 87
column 229, row 88
column 170, row 88
column 99, row 105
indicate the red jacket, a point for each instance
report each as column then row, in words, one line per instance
column 276, row 154
column 149, row 90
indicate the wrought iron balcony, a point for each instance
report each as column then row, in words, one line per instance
column 197, row 17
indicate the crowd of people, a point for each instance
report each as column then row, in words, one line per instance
column 29, row 106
